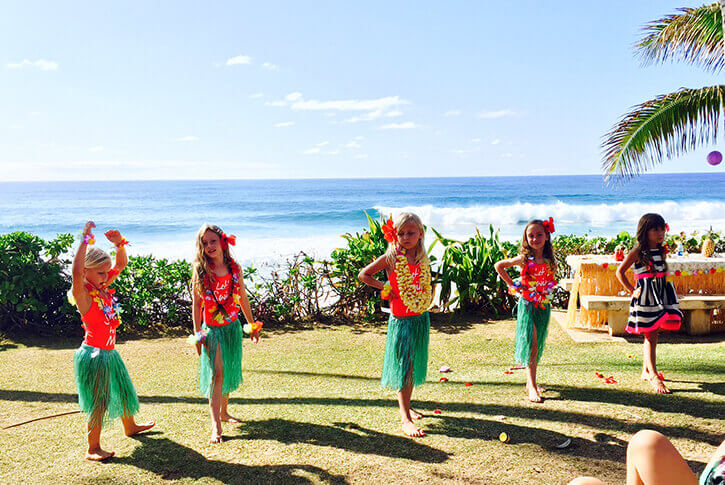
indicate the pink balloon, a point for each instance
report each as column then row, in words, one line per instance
column 714, row 158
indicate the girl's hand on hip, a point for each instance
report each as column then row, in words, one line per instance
column 637, row 291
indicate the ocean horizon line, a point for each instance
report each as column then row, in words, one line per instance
column 626, row 181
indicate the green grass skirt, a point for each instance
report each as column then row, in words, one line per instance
column 527, row 318
column 406, row 349
column 105, row 390
column 228, row 340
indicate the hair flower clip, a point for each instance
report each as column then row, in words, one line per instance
column 228, row 240
column 389, row 231
column 549, row 225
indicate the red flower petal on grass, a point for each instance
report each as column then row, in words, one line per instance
column 508, row 372
column 444, row 379
column 599, row 375
column 436, row 411
column 468, row 384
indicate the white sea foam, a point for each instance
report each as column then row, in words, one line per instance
column 569, row 218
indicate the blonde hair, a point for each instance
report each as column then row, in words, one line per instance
column 202, row 265
column 95, row 258
column 419, row 252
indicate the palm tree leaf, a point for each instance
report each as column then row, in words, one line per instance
column 694, row 35
column 666, row 126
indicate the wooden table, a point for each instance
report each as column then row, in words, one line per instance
column 595, row 275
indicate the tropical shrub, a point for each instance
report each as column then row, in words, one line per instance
column 467, row 278
column 33, row 286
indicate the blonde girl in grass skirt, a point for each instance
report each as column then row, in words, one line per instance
column 409, row 291
column 105, row 390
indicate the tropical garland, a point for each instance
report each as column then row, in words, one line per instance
column 219, row 312
column 533, row 290
column 415, row 300
column 112, row 311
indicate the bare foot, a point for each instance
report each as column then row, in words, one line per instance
column 540, row 389
column 98, row 454
column 658, row 386
column 228, row 418
column 646, row 375
column 410, row 429
column 534, row 395
column 415, row 414
column 138, row 428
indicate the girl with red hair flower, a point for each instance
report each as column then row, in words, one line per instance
column 538, row 266
column 218, row 297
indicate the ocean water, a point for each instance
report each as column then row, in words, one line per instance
column 275, row 218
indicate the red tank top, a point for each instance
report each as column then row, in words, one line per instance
column 397, row 306
column 223, row 291
column 101, row 320
column 537, row 281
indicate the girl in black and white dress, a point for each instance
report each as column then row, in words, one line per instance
column 654, row 304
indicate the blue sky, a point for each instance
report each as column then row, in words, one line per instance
column 186, row 90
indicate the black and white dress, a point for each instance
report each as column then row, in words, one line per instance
column 656, row 306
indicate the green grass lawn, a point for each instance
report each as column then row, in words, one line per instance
column 314, row 411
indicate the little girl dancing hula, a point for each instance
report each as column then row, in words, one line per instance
column 538, row 266
column 409, row 291
column 105, row 390
column 218, row 296
column 654, row 303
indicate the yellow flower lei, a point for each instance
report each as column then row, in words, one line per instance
column 416, row 301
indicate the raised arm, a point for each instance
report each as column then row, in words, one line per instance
column 121, row 256
column 80, row 294
column 632, row 256
column 502, row 265
column 367, row 275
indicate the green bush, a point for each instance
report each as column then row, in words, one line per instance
column 33, row 286
column 467, row 278
column 154, row 291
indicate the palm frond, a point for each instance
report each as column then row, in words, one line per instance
column 666, row 126
column 693, row 35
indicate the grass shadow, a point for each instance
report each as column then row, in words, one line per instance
column 169, row 460
column 667, row 404
column 345, row 436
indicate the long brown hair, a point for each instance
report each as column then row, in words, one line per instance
column 548, row 251
column 647, row 222
column 202, row 275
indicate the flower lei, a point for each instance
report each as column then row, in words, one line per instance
column 415, row 300
column 112, row 311
column 530, row 288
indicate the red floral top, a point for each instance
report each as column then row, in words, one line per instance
column 537, row 282
column 101, row 320
column 221, row 305
column 397, row 307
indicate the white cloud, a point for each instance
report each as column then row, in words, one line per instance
column 284, row 123
column 233, row 61
column 366, row 117
column 351, row 104
column 293, row 96
column 188, row 138
column 452, row 112
column 333, row 152
column 491, row 115
column 361, row 155
column 322, row 143
column 256, row 95
column 95, row 149
column 270, row 66
column 311, row 151
column 400, row 126
column 41, row 64
column 391, row 114
column 352, row 144
column 495, row 142
column 275, row 103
